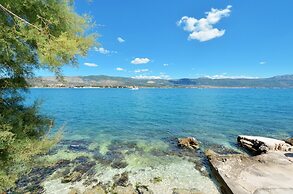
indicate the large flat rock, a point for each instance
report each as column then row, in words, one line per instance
column 258, row 145
column 268, row 173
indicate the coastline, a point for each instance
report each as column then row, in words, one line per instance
column 175, row 171
column 203, row 87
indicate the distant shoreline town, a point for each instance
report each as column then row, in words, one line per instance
column 101, row 81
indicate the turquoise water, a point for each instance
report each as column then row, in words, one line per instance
column 211, row 115
column 138, row 128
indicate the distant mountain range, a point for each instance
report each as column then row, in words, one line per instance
column 283, row 81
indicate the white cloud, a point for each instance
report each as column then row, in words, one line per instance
column 263, row 62
column 166, row 64
column 121, row 40
column 138, row 61
column 162, row 76
column 103, row 51
column 222, row 76
column 141, row 70
column 203, row 29
column 91, row 64
column 119, row 69
column 146, row 77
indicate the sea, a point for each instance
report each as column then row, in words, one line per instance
column 136, row 131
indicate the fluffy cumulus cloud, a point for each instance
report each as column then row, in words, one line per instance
column 138, row 61
column 103, row 51
column 141, row 70
column 203, row 29
column 119, row 69
column 91, row 64
column 120, row 39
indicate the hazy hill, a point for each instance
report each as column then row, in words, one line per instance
column 284, row 81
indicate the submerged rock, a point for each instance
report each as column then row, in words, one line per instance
column 188, row 142
column 221, row 149
column 122, row 145
column 259, row 145
column 84, row 167
column 119, row 164
column 102, row 159
column 67, row 142
column 32, row 181
column 109, row 157
column 77, row 147
column 81, row 159
column 62, row 163
column 121, row 179
column 72, row 177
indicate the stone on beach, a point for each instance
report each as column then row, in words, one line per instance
column 188, row 142
column 260, row 145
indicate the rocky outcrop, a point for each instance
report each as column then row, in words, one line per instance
column 188, row 142
column 289, row 141
column 245, row 175
column 259, row 145
column 266, row 173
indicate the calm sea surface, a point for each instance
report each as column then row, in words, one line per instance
column 210, row 115
column 135, row 131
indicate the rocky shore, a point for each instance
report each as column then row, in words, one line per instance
column 269, row 170
column 175, row 166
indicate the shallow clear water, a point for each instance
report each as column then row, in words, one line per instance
column 152, row 118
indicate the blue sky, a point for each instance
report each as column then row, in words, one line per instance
column 188, row 38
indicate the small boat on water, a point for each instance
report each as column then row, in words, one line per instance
column 134, row 88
